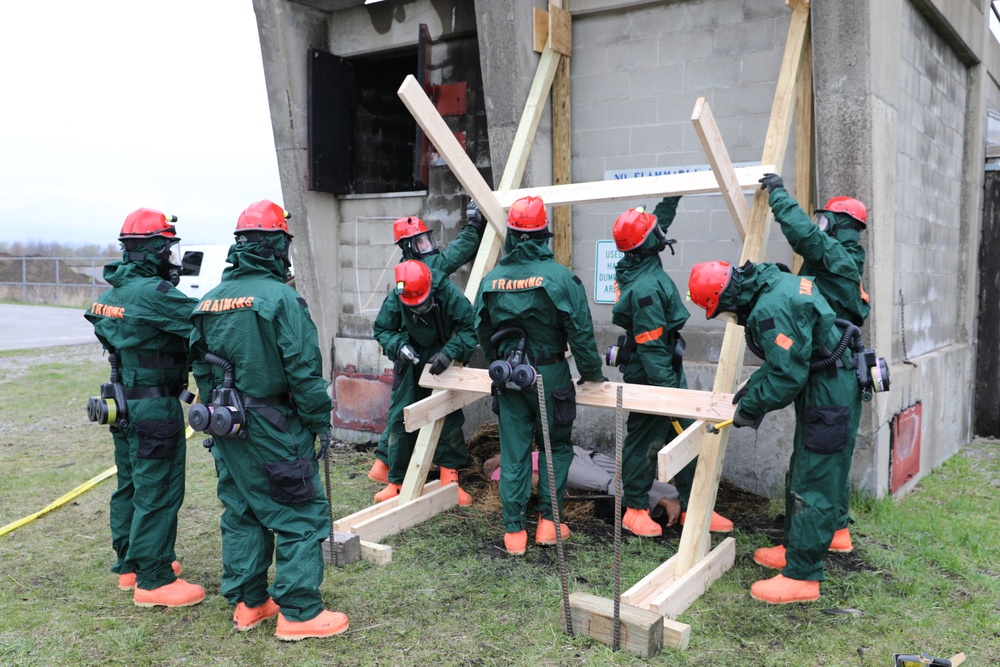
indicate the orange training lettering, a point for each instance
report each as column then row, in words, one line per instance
column 105, row 310
column 516, row 284
column 223, row 305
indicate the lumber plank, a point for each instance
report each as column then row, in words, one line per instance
column 562, row 163
column 689, row 586
column 676, row 634
column 679, row 452
column 722, row 166
column 560, row 30
column 420, row 461
column 438, row 405
column 380, row 554
column 686, row 403
column 695, row 539
column 804, row 181
column 346, row 524
column 641, row 631
column 539, row 29
column 690, row 183
column 644, row 590
column 438, row 133
column 404, row 515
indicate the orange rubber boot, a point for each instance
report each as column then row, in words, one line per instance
column 126, row 582
column 719, row 523
column 842, row 541
column 516, row 543
column 390, row 491
column 772, row 557
column 247, row 618
column 782, row 590
column 638, row 523
column 327, row 624
column 450, row 476
column 379, row 472
column 178, row 594
column 546, row 531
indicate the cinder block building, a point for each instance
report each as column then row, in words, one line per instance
column 906, row 102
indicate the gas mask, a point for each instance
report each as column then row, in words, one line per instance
column 169, row 267
column 827, row 223
column 422, row 245
column 428, row 305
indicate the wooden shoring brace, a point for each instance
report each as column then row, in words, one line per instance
column 462, row 166
column 804, row 175
column 695, row 537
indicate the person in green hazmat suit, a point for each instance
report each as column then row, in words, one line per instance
column 794, row 327
column 142, row 322
column 649, row 308
column 416, row 243
column 528, row 308
column 257, row 362
column 831, row 250
column 426, row 321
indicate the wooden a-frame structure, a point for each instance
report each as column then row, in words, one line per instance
column 677, row 583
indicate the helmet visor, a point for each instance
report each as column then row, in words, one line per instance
column 422, row 244
column 823, row 220
column 175, row 254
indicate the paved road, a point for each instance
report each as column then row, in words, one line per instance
column 28, row 327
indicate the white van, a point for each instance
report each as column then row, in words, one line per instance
column 201, row 268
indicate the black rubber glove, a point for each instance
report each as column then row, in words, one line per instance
column 740, row 394
column 770, row 182
column 740, row 420
column 603, row 379
column 408, row 354
column 475, row 216
column 439, row 362
column 325, row 439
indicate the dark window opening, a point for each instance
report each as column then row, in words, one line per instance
column 191, row 263
column 361, row 136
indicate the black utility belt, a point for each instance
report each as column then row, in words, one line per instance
column 138, row 393
column 547, row 361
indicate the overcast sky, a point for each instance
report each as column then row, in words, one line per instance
column 112, row 105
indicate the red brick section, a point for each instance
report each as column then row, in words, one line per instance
column 361, row 400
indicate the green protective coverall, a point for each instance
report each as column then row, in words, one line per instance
column 529, row 289
column 145, row 321
column 792, row 323
column 448, row 328
column 268, row 483
column 836, row 260
column 651, row 311
column 447, row 260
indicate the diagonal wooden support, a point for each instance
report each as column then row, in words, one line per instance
column 438, row 405
column 722, row 166
column 695, row 538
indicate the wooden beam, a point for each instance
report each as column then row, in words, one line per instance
column 641, row 631
column 404, row 515
column 676, row 634
column 438, row 405
column 647, row 187
column 439, row 134
column 686, row 403
column 722, row 166
column 695, row 538
column 679, row 452
column 380, row 554
column 562, row 163
column 668, row 593
column 347, row 523
column 539, row 29
column 560, row 30
column 804, row 175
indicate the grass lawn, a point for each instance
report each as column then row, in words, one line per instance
column 925, row 573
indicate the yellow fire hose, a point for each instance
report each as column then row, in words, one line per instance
column 62, row 500
column 86, row 486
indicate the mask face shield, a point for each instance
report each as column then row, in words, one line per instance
column 425, row 307
column 174, row 256
column 422, row 244
column 824, row 221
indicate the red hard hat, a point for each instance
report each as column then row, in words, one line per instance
column 413, row 282
column 850, row 206
column 707, row 281
column 631, row 228
column 407, row 227
column 263, row 216
column 527, row 214
column 145, row 223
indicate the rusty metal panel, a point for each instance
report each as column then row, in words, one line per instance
column 904, row 447
column 361, row 400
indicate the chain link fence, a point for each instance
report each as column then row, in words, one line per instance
column 57, row 281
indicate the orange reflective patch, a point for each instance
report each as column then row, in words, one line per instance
column 618, row 292
column 805, row 286
column 649, row 336
column 864, row 294
column 783, row 341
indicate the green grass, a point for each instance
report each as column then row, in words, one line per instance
column 925, row 574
